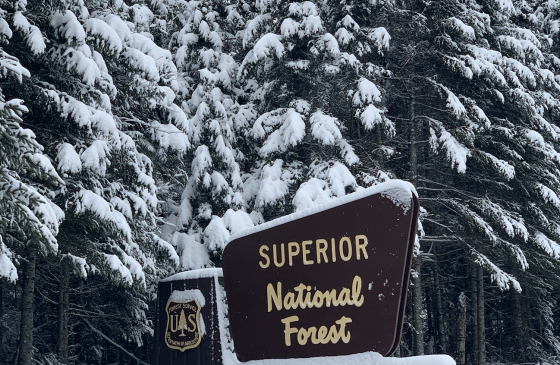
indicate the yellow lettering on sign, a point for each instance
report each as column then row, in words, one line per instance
column 192, row 320
column 349, row 245
column 293, row 250
column 276, row 257
column 275, row 296
column 304, row 298
column 288, row 330
column 265, row 256
column 321, row 246
column 321, row 336
column 361, row 247
column 346, row 250
column 306, row 252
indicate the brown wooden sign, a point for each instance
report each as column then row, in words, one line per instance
column 325, row 282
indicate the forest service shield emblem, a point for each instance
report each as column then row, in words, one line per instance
column 183, row 326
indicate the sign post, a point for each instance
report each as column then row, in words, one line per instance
column 324, row 282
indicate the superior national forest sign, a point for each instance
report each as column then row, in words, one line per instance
column 324, row 282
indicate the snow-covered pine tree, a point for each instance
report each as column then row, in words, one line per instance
column 202, row 36
column 483, row 96
column 310, row 70
column 30, row 220
column 109, row 197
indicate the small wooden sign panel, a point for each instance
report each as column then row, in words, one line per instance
column 326, row 282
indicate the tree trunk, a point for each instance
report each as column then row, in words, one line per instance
column 379, row 141
column 413, row 153
column 63, row 313
column 1, row 319
column 461, row 329
column 27, row 304
column 481, row 325
column 418, row 345
column 439, row 307
column 418, row 336
column 474, row 314
column 517, row 326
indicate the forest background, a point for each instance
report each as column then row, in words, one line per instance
column 136, row 137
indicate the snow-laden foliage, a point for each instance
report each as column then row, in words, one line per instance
column 167, row 126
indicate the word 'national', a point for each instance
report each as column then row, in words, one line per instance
column 305, row 299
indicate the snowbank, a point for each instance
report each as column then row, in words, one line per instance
column 366, row 358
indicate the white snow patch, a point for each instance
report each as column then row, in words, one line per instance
column 456, row 152
column 325, row 128
column 548, row 195
column 106, row 35
column 192, row 254
column 549, row 246
column 183, row 296
column 311, row 193
column 289, row 27
column 7, row 268
column 269, row 42
column 367, row 93
column 195, row 274
column 68, row 159
column 117, row 266
column 369, row 358
column 89, row 201
column 466, row 30
column 69, row 27
column 381, row 38
column 95, row 157
column 33, row 36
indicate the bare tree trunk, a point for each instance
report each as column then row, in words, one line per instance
column 63, row 308
column 439, row 307
column 517, row 326
column 461, row 329
column 1, row 319
column 27, row 306
column 418, row 338
column 474, row 314
column 413, row 149
column 379, row 141
column 481, row 325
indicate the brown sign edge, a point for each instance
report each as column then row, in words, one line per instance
column 406, row 274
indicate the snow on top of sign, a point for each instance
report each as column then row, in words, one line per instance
column 195, row 274
column 183, row 296
column 365, row 358
column 398, row 191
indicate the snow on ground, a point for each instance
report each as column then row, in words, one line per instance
column 365, row 358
